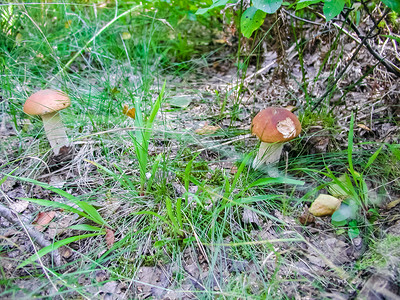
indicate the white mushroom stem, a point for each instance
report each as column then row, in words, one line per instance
column 268, row 153
column 55, row 131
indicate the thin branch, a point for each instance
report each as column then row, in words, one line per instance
column 363, row 42
column 388, row 64
column 38, row 237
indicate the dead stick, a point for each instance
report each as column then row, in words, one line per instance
column 38, row 237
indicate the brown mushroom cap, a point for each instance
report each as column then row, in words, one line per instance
column 275, row 125
column 45, row 102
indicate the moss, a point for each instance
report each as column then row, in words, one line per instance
column 382, row 254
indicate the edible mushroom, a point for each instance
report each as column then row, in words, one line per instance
column 273, row 126
column 47, row 103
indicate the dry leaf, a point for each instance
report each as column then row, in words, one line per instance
column 250, row 217
column 56, row 228
column 220, row 41
column 19, row 206
column 393, row 203
column 290, row 108
column 306, row 217
column 126, row 35
column 43, row 219
column 18, row 39
column 207, row 129
column 364, row 127
column 67, row 24
column 233, row 170
column 110, row 238
column 65, row 252
column 324, row 205
column 130, row 112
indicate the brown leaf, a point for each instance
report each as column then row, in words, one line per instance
column 291, row 108
column 110, row 238
column 364, row 127
column 65, row 252
column 130, row 112
column 43, row 219
column 306, row 217
column 207, row 129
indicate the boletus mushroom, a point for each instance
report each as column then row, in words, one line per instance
column 273, row 126
column 47, row 104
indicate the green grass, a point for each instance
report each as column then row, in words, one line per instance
column 174, row 199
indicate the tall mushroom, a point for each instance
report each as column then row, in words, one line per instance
column 47, row 104
column 273, row 126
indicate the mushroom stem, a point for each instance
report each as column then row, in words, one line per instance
column 55, row 131
column 268, row 153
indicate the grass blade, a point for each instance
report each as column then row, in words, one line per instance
column 55, row 246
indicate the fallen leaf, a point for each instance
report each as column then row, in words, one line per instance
column 233, row 170
column 18, row 39
column 62, row 224
column 110, row 238
column 130, row 112
column 364, row 127
column 393, row 203
column 57, row 181
column 290, row 108
column 65, row 252
column 250, row 217
column 19, row 206
column 43, row 219
column 181, row 102
column 207, row 129
column 67, row 24
column 126, row 35
column 306, row 217
column 324, row 205
column 220, row 41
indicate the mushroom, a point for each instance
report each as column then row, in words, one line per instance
column 47, row 103
column 273, row 126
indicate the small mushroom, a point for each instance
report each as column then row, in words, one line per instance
column 46, row 104
column 273, row 126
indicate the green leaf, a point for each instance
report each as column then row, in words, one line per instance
column 215, row 4
column 393, row 4
column 181, row 102
column 268, row 6
column 353, row 231
column 341, row 216
column 87, row 227
column 341, row 186
column 332, row 8
column 373, row 157
column 6, row 176
column 55, row 246
column 306, row 3
column 151, row 213
column 251, row 20
column 273, row 180
column 55, row 204
column 87, row 208
column 393, row 37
